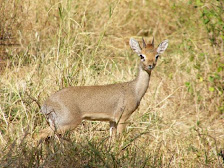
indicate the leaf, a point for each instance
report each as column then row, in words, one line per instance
column 206, row 21
column 187, row 84
column 211, row 89
column 211, row 79
column 199, row 3
column 201, row 79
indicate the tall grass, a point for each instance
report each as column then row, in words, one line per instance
column 49, row 45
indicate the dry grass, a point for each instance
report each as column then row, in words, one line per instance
column 54, row 44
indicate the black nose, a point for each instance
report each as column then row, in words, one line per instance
column 150, row 66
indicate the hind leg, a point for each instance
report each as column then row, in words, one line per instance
column 59, row 129
column 64, row 128
column 44, row 133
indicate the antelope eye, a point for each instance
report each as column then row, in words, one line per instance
column 142, row 57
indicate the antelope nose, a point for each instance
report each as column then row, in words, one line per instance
column 150, row 67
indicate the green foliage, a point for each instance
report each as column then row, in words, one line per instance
column 213, row 18
column 189, row 87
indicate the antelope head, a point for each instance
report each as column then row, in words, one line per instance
column 148, row 54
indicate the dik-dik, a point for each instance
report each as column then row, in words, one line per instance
column 66, row 108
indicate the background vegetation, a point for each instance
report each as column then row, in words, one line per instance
column 48, row 45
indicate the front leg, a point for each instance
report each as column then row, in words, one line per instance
column 113, row 128
column 122, row 123
column 121, row 127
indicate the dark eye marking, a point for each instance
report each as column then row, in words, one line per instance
column 142, row 57
column 157, row 56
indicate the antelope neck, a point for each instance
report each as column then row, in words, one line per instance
column 141, row 83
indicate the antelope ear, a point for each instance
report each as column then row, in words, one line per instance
column 135, row 46
column 162, row 47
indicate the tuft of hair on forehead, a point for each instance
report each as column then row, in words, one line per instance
column 149, row 47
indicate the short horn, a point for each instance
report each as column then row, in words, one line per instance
column 153, row 41
column 143, row 42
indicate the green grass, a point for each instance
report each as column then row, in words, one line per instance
column 61, row 43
